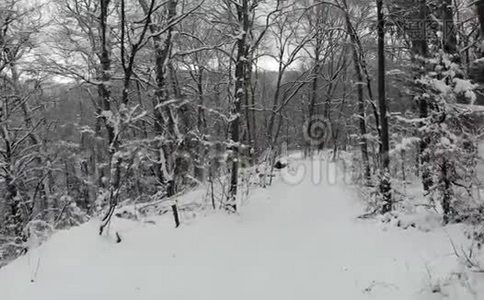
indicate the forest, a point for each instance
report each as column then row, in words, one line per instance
column 107, row 104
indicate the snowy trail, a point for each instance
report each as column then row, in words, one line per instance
column 290, row 242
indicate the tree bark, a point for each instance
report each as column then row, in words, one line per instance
column 449, row 37
column 385, row 187
column 480, row 16
column 164, row 115
column 361, row 101
column 163, row 112
column 104, row 93
column 241, row 63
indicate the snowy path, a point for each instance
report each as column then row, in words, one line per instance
column 290, row 242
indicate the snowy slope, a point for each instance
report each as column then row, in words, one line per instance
column 291, row 241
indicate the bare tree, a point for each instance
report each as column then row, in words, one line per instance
column 385, row 185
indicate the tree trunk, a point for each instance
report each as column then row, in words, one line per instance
column 449, row 38
column 385, row 187
column 105, row 99
column 241, row 69
column 314, row 93
column 239, row 94
column 163, row 113
column 480, row 16
column 420, row 48
column 199, row 170
column 446, row 187
column 361, row 102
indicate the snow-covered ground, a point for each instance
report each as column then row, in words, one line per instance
column 290, row 241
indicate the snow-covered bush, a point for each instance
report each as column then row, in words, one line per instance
column 449, row 153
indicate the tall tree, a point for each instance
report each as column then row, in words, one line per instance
column 385, row 188
column 357, row 63
column 243, row 11
column 166, row 125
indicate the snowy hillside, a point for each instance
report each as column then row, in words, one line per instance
column 241, row 149
column 289, row 241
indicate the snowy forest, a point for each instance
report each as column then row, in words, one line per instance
column 147, row 146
